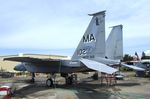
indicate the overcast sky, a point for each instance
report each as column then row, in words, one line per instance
column 60, row 24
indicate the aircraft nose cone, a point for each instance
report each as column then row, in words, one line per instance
column 20, row 67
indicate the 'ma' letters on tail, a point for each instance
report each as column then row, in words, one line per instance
column 92, row 43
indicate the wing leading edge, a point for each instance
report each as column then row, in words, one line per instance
column 30, row 60
column 98, row 66
column 133, row 67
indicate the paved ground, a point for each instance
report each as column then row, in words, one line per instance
column 130, row 88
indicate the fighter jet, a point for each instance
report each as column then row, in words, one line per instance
column 114, row 46
column 141, row 63
column 88, row 56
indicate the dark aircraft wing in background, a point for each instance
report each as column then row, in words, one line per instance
column 31, row 60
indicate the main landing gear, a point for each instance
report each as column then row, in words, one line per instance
column 49, row 82
column 51, row 79
column 70, row 78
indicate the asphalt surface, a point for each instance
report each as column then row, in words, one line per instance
column 86, row 88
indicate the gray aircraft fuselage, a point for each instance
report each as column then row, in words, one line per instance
column 62, row 66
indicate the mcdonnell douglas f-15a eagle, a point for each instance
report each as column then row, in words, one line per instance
column 88, row 56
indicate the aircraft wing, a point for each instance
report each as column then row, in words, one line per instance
column 98, row 66
column 30, row 60
column 133, row 67
column 116, row 62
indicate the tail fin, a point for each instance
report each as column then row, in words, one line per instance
column 92, row 43
column 114, row 43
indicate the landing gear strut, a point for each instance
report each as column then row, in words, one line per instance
column 32, row 79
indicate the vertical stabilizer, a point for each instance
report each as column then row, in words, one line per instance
column 92, row 43
column 114, row 43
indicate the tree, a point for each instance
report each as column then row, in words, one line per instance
column 145, row 57
column 127, row 57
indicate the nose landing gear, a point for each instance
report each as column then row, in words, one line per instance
column 32, row 79
column 49, row 82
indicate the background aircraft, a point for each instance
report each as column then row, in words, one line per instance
column 145, row 64
column 141, row 63
column 89, row 55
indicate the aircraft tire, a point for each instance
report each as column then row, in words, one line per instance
column 49, row 82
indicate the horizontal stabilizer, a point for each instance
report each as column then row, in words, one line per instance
column 98, row 66
column 133, row 67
